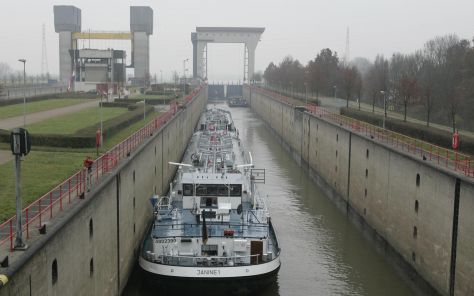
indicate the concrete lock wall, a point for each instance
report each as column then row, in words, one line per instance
column 118, row 211
column 408, row 206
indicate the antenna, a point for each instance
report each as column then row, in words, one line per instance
column 347, row 55
column 44, row 55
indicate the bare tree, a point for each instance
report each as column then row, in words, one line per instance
column 359, row 88
column 377, row 78
column 427, row 85
column 349, row 74
column 452, row 89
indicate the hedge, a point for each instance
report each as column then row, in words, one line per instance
column 429, row 134
column 148, row 101
column 84, row 138
column 69, row 141
column 115, row 104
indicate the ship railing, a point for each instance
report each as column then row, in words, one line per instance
column 210, row 261
column 242, row 231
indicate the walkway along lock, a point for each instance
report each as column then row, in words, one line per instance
column 20, row 145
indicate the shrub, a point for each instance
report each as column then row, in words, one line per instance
column 151, row 101
column 69, row 141
column 115, row 104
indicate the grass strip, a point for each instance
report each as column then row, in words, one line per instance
column 32, row 107
column 40, row 172
column 70, row 123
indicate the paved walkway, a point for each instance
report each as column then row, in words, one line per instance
column 12, row 122
column 5, row 156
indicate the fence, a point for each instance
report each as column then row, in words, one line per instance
column 61, row 197
column 447, row 158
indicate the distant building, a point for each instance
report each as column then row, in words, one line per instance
column 98, row 70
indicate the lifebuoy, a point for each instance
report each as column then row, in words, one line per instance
column 455, row 140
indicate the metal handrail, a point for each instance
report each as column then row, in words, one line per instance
column 450, row 159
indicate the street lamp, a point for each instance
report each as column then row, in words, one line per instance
column 384, row 108
column 24, row 90
column 306, row 93
column 101, row 121
column 184, row 74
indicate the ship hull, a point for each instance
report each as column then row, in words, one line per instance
column 231, row 281
column 210, row 273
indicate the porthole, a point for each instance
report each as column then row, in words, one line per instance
column 417, row 179
column 366, row 173
column 415, row 232
column 367, row 153
column 416, row 206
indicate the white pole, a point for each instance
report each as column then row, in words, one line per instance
column 24, row 90
column 24, row 95
column 101, row 132
column 383, row 121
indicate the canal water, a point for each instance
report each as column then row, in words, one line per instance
column 322, row 252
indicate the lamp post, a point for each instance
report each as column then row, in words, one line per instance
column 161, row 80
column 101, row 121
column 24, row 90
column 384, row 108
column 184, row 74
column 306, row 93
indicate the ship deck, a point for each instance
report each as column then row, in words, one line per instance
column 184, row 224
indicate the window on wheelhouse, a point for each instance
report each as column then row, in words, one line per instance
column 235, row 189
column 209, row 202
column 214, row 189
column 188, row 189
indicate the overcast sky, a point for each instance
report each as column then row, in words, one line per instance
column 300, row 28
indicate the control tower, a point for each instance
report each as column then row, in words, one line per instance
column 67, row 22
